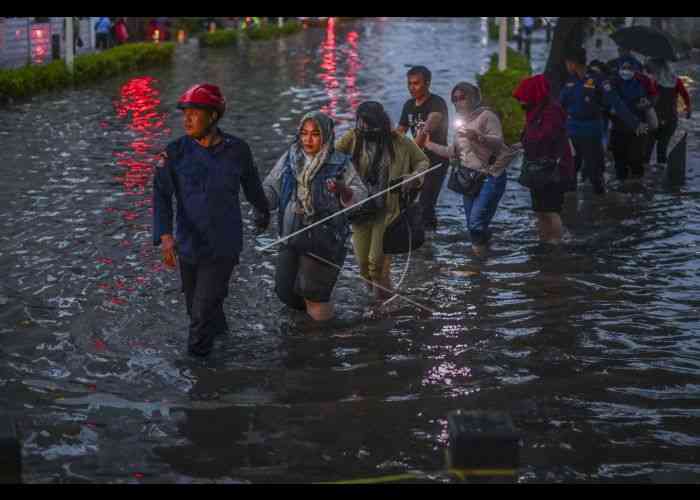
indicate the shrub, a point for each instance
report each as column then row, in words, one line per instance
column 191, row 25
column 29, row 80
column 219, row 38
column 497, row 91
column 222, row 38
column 270, row 31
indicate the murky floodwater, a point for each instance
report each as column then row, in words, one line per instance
column 593, row 349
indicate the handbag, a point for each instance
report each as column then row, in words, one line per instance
column 368, row 210
column 322, row 240
column 466, row 181
column 538, row 174
column 406, row 232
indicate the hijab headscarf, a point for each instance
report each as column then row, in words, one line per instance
column 532, row 92
column 305, row 167
column 473, row 95
column 374, row 151
column 662, row 71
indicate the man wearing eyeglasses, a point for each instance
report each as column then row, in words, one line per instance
column 425, row 114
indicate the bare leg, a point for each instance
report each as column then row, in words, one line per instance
column 320, row 311
column 479, row 250
column 550, row 227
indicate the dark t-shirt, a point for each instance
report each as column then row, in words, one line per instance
column 413, row 117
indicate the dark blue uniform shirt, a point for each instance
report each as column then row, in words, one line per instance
column 206, row 183
column 585, row 99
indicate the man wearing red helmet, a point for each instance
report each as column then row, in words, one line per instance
column 205, row 170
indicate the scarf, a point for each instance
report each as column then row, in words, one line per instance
column 305, row 167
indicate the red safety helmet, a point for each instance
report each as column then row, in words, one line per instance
column 203, row 95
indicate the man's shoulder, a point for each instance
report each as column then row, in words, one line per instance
column 172, row 150
column 231, row 140
column 437, row 100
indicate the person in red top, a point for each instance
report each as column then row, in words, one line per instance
column 545, row 136
column 669, row 88
column 122, row 34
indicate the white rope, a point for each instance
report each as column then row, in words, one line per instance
column 405, row 271
column 281, row 240
column 372, row 283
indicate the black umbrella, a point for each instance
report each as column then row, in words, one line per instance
column 647, row 41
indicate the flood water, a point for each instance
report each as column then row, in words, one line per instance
column 593, row 349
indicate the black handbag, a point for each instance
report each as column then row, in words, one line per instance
column 539, row 174
column 365, row 212
column 466, row 181
column 323, row 240
column 406, row 232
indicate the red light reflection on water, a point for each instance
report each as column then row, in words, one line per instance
column 137, row 104
column 349, row 55
column 328, row 64
column 354, row 66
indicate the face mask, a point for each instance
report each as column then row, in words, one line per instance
column 626, row 74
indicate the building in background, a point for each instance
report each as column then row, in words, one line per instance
column 39, row 40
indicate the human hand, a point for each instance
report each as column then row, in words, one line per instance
column 410, row 186
column 642, row 129
column 167, row 250
column 339, row 186
column 472, row 135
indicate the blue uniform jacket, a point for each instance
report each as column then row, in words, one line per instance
column 632, row 93
column 585, row 99
column 206, row 183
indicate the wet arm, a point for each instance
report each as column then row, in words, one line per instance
column 418, row 161
column 250, row 181
column 432, row 123
column 683, row 92
column 353, row 181
column 272, row 185
column 440, row 150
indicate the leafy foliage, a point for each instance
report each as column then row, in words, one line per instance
column 29, row 80
column 497, row 92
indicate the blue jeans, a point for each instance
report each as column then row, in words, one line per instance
column 479, row 210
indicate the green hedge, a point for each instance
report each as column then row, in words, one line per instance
column 29, row 80
column 191, row 25
column 219, row 38
column 222, row 38
column 497, row 92
column 270, row 31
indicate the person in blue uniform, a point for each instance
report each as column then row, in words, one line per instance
column 624, row 56
column 204, row 170
column 585, row 96
column 628, row 145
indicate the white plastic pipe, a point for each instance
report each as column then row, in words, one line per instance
column 503, row 44
column 69, row 43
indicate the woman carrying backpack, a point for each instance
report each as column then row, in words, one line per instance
column 546, row 146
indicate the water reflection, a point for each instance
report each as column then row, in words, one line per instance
column 592, row 350
column 329, row 67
